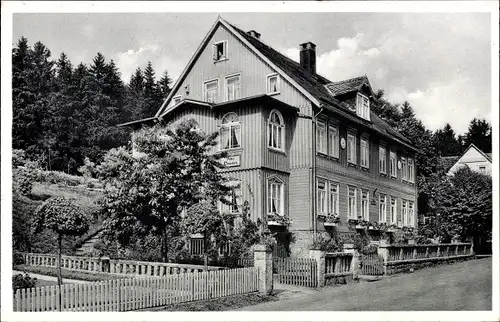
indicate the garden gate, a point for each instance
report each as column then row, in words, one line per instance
column 372, row 264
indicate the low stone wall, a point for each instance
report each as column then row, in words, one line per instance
column 408, row 267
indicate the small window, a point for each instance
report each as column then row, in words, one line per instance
column 276, row 131
column 321, row 139
column 393, row 165
column 275, row 204
column 363, row 106
column 394, row 216
column 273, row 86
column 365, row 153
column 365, row 204
column 230, row 132
column 382, row 158
column 233, row 84
column 220, row 50
column 482, row 169
column 351, row 148
column 176, row 99
column 321, row 196
column 382, row 211
column 333, row 138
column 351, row 204
column 334, row 198
column 211, row 91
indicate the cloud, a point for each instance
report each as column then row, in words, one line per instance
column 131, row 59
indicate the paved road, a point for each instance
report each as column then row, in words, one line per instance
column 461, row 286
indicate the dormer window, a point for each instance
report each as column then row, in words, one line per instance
column 363, row 106
column 220, row 51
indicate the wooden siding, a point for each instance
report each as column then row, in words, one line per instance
column 300, row 199
column 241, row 59
column 301, row 147
column 251, row 190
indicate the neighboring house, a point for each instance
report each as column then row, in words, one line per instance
column 299, row 144
column 473, row 158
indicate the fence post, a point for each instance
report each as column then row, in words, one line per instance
column 263, row 262
column 383, row 251
column 319, row 256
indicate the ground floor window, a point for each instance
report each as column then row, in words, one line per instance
column 394, row 204
column 411, row 214
column 196, row 246
column 275, row 197
column 405, row 212
column 321, row 197
column 351, row 203
column 365, row 205
column 334, row 198
column 382, row 213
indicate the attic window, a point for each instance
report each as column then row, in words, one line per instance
column 363, row 106
column 273, row 84
column 220, row 51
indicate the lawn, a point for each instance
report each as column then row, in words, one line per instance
column 220, row 304
column 51, row 271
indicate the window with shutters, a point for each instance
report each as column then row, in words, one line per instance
column 230, row 132
column 220, row 51
column 233, row 87
column 211, row 90
column 276, row 131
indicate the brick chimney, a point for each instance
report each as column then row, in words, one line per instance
column 308, row 57
column 254, row 34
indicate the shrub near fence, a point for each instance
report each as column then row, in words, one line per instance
column 134, row 294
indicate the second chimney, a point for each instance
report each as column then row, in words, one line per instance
column 308, row 57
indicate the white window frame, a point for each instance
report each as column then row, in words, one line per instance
column 393, row 160
column 382, row 208
column 404, row 212
column 230, row 126
column 382, row 159
column 268, row 84
column 351, row 150
column 333, row 198
column 333, row 140
column 363, row 106
column 411, row 214
column 411, row 170
column 321, row 196
column 482, row 169
column 205, row 92
column 272, row 129
column 364, row 152
column 280, row 185
column 226, row 89
column 393, row 214
column 404, row 169
column 352, row 213
column 214, row 51
column 321, row 136
column 365, row 204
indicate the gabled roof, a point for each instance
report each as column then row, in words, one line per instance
column 312, row 86
column 348, row 85
column 450, row 161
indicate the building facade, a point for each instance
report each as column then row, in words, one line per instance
column 301, row 146
column 473, row 158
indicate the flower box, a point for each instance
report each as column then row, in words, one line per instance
column 360, row 227
column 275, row 223
column 330, row 224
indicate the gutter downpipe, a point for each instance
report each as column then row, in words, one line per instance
column 313, row 185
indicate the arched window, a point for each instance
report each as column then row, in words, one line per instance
column 275, row 196
column 276, row 130
column 230, row 132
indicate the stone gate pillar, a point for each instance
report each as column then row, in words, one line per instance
column 263, row 262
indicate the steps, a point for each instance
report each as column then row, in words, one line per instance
column 88, row 246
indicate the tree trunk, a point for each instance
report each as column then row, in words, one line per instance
column 165, row 246
column 59, row 264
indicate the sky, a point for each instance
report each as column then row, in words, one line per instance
column 439, row 62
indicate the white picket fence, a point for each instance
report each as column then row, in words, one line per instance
column 137, row 293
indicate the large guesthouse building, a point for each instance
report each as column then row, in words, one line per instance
column 303, row 148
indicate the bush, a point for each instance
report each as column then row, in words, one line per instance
column 57, row 177
column 22, row 180
column 326, row 242
column 17, row 259
column 21, row 281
